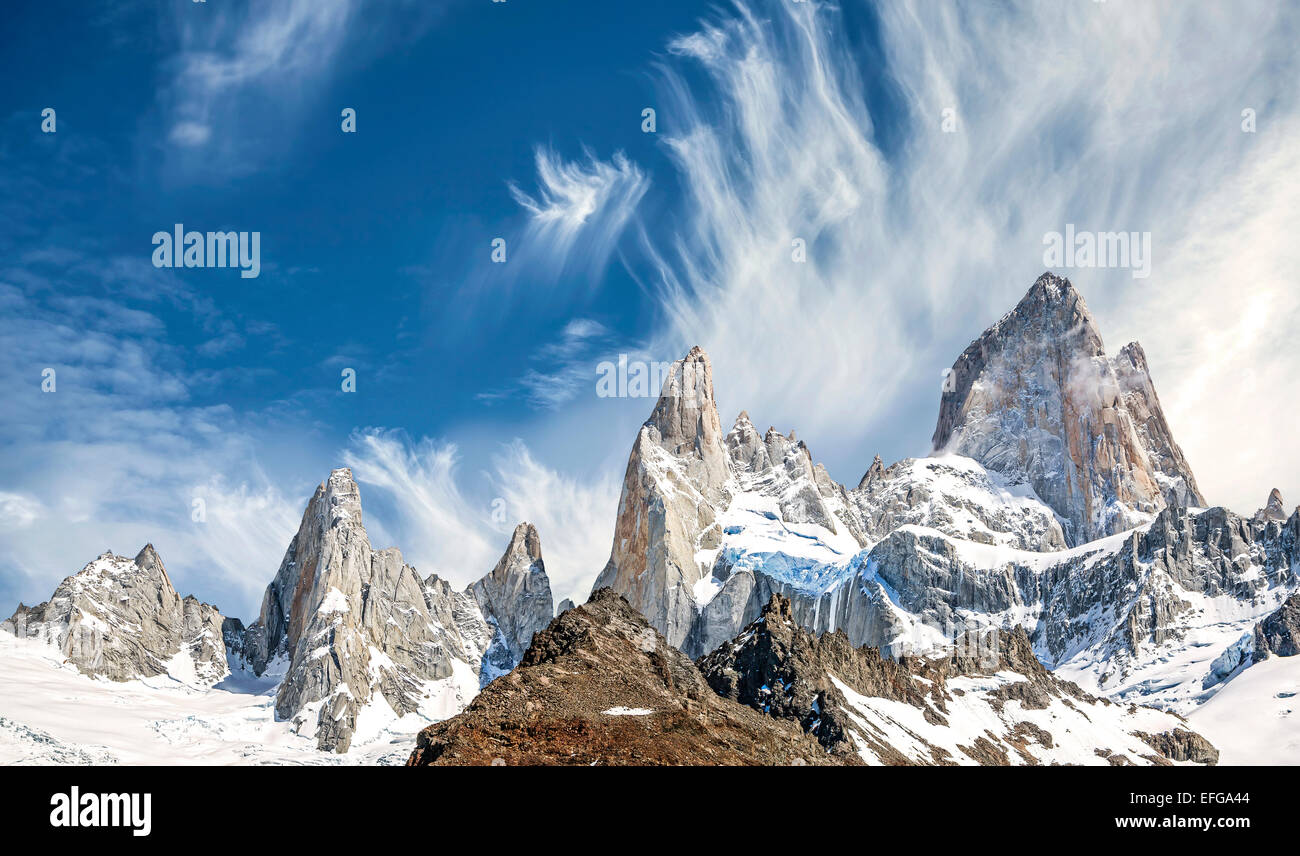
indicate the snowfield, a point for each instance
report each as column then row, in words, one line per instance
column 1081, row 734
column 1255, row 718
column 52, row 714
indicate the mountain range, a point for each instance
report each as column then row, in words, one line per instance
column 1049, row 585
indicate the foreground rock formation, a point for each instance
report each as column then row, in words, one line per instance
column 600, row 686
column 121, row 619
column 988, row 702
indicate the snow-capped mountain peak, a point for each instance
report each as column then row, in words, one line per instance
column 1036, row 399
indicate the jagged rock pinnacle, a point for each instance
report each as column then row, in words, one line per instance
column 1036, row 399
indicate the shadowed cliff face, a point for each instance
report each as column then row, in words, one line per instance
column 989, row 701
column 1279, row 633
column 1036, row 398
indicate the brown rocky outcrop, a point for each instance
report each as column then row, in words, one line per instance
column 600, row 686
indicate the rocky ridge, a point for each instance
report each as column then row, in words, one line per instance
column 353, row 636
column 353, row 627
column 601, row 686
column 709, row 528
column 988, row 702
column 121, row 619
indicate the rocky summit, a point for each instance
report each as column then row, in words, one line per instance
column 516, row 594
column 121, row 619
column 1036, row 399
column 351, row 626
column 600, row 686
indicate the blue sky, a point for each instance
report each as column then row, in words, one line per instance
column 521, row 120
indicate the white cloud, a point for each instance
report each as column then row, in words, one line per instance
column 236, row 50
column 114, row 455
column 190, row 133
column 238, row 61
column 429, row 519
column 458, row 526
column 592, row 200
column 575, row 518
column 560, row 369
column 18, row 511
column 245, row 534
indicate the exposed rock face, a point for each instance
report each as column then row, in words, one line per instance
column 1036, row 399
column 1183, row 745
column 703, row 541
column 873, row 474
column 565, row 606
column 516, row 595
column 600, row 686
column 351, row 625
column 121, row 619
column 949, row 710
column 781, row 467
column 1110, row 614
column 1273, row 509
column 1279, row 634
column 677, row 476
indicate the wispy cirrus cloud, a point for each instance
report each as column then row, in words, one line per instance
column 234, row 62
column 574, row 516
column 590, row 200
column 1108, row 116
column 228, row 54
column 560, row 369
column 457, row 524
column 428, row 514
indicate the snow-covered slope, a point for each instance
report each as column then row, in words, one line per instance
column 1255, row 718
column 52, row 714
column 1255, row 709
column 987, row 701
column 957, row 496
